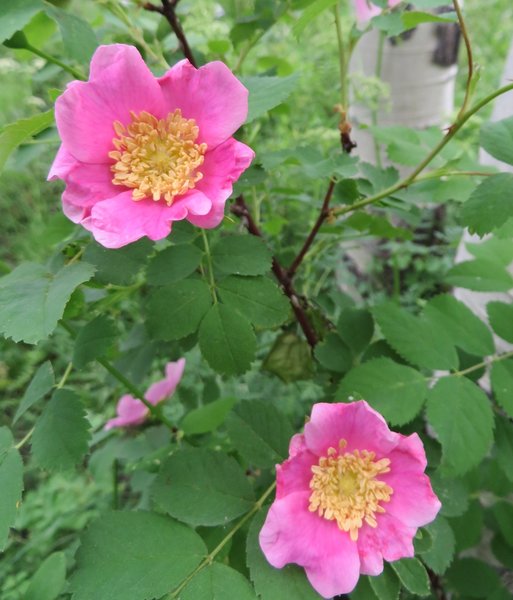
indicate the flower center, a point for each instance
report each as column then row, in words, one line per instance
column 345, row 489
column 157, row 158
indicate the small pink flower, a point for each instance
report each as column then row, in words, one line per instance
column 365, row 9
column 132, row 412
column 139, row 152
column 351, row 494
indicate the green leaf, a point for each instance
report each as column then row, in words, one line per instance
column 311, row 12
column 488, row 206
column 173, row 263
column 271, row 583
column 333, row 354
column 412, row 19
column 502, row 384
column 258, row 299
column 42, row 382
column 356, row 327
column 440, row 554
column 242, row 255
column 452, row 493
column 208, row 417
column 15, row 15
column 420, row 341
column 218, row 582
column 466, row 330
column 413, row 575
column 396, row 391
column 497, row 139
column 32, row 299
column 363, row 590
column 118, row 266
column 49, row 579
column 267, row 92
column 61, row 434
column 15, row 134
column 500, row 316
column 386, row 586
column 176, row 310
column 504, row 445
column 473, row 578
column 202, row 487
column 480, row 275
column 134, row 556
column 11, row 483
column 77, row 36
column 94, row 340
column 290, row 358
column 227, row 341
column 468, row 528
column 503, row 513
column 462, row 417
column 259, row 432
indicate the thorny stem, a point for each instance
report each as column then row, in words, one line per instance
column 211, row 280
column 470, row 58
column 208, row 559
column 168, row 10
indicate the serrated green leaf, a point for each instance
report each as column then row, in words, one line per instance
column 134, row 556
column 462, row 417
column 473, row 578
column 494, row 249
column 466, row 330
column 333, row 354
column 32, row 299
column 176, row 310
column 413, row 575
column 258, row 299
column 15, row 134
column 259, row 432
column 77, row 36
column 49, row 579
column 118, row 266
column 504, row 445
column 266, row 93
column 452, row 493
column 41, row 383
column 468, row 527
column 94, row 340
column 202, row 487
column 290, row 358
column 396, row 391
column 503, row 513
column 502, row 384
column 208, row 417
column 173, row 264
column 440, row 554
column 218, row 582
column 311, row 12
column 61, row 433
column 15, row 15
column 227, row 340
column 500, row 316
column 11, row 483
column 488, row 206
column 386, row 586
column 271, row 583
column 417, row 339
column 356, row 328
column 497, row 139
column 242, row 255
column 480, row 275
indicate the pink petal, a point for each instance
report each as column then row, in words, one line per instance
column 295, row 474
column 292, row 534
column 119, row 82
column 130, row 412
column 211, row 95
column 62, row 164
column 221, row 168
column 361, row 426
column 365, row 9
column 164, row 388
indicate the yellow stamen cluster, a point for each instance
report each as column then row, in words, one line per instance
column 157, row 158
column 345, row 489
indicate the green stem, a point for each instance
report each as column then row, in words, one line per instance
column 470, row 58
column 56, row 61
column 210, row 269
column 342, row 59
column 64, row 378
column 208, row 559
column 22, row 442
column 485, row 363
column 408, row 180
column 374, row 114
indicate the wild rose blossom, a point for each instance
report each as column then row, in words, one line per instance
column 139, row 152
column 366, row 9
column 351, row 494
column 132, row 412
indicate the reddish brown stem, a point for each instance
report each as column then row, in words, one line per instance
column 240, row 209
column 168, row 10
column 323, row 215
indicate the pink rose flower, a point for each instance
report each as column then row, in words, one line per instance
column 365, row 9
column 132, row 412
column 351, row 494
column 139, row 152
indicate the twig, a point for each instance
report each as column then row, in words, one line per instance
column 240, row 209
column 436, row 584
column 168, row 10
column 323, row 215
column 470, row 59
